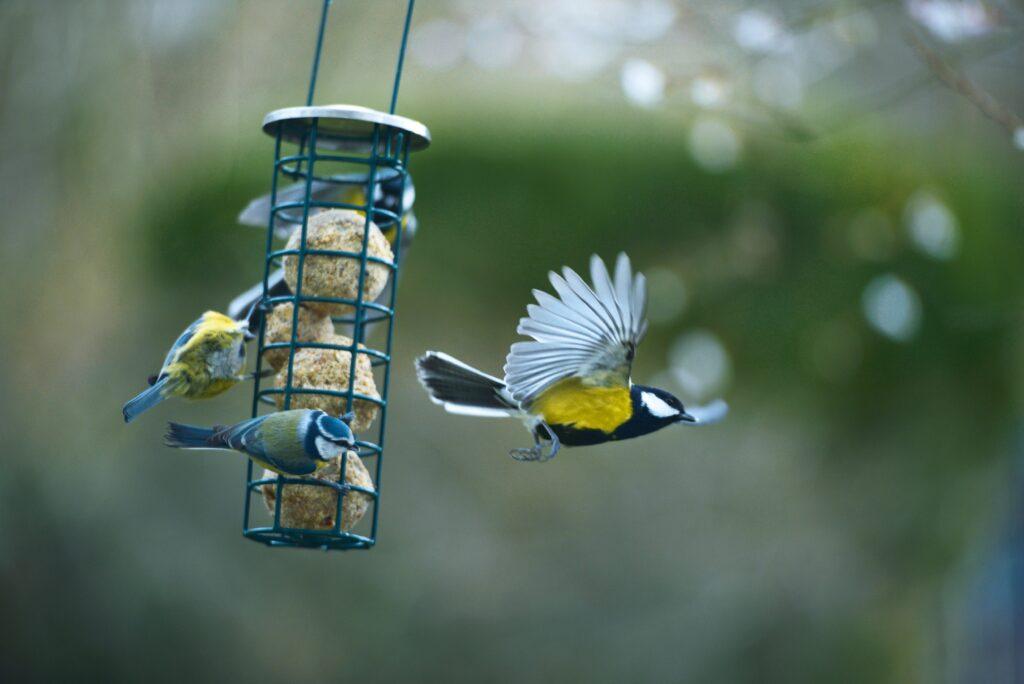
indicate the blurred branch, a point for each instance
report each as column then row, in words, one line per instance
column 849, row 113
column 959, row 83
column 833, row 11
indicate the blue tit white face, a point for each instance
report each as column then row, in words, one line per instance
column 333, row 438
column 664, row 406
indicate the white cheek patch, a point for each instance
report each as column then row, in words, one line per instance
column 327, row 449
column 657, row 406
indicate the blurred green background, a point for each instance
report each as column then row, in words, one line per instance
column 839, row 258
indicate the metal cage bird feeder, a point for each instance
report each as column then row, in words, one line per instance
column 333, row 146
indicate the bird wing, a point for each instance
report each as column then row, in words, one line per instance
column 286, row 456
column 182, row 340
column 244, row 436
column 587, row 332
column 257, row 212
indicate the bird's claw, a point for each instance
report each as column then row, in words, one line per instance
column 543, row 449
column 523, row 454
column 536, row 454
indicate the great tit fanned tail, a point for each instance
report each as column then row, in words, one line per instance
column 461, row 388
column 146, row 399
column 190, row 437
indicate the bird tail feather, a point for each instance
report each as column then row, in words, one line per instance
column 190, row 437
column 145, row 400
column 461, row 388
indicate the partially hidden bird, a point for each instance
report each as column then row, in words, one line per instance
column 394, row 194
column 391, row 194
column 571, row 385
column 296, row 442
column 206, row 360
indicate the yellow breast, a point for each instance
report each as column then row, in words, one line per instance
column 571, row 402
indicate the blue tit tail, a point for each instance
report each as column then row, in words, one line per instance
column 146, row 400
column 190, row 437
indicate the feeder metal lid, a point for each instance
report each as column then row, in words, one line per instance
column 341, row 126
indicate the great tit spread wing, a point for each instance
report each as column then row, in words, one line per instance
column 588, row 332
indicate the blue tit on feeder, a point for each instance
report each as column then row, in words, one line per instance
column 205, row 360
column 572, row 385
column 297, row 442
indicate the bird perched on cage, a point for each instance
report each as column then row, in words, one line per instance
column 297, row 442
column 389, row 194
column 205, row 360
column 572, row 384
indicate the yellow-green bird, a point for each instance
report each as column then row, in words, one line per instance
column 572, row 384
column 206, row 360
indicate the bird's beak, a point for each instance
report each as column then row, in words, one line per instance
column 248, row 334
column 685, row 417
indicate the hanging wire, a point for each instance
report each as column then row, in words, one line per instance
column 401, row 56
column 316, row 54
column 398, row 68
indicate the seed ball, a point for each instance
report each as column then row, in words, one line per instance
column 338, row 276
column 312, row 328
column 328, row 369
column 314, row 508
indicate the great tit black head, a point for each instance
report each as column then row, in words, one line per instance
column 663, row 406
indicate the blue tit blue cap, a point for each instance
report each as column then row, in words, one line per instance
column 334, row 429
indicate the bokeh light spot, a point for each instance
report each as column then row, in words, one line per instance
column 667, row 295
column 932, row 227
column 700, row 364
column 892, row 307
column 643, row 84
column 714, row 144
column 438, row 44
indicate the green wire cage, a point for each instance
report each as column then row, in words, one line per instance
column 352, row 152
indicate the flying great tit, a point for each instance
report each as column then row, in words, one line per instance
column 571, row 385
column 296, row 442
column 204, row 361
